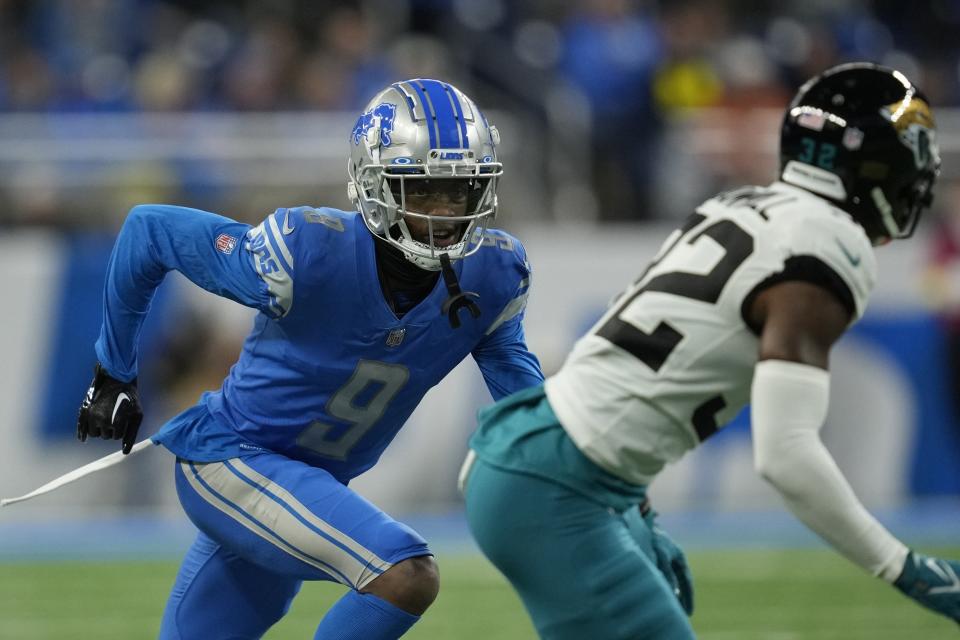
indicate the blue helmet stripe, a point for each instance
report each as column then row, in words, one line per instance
column 465, row 142
column 428, row 113
column 446, row 120
column 407, row 99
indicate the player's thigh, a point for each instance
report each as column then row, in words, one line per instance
column 217, row 594
column 575, row 564
column 293, row 519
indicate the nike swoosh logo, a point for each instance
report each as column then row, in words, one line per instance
column 287, row 229
column 946, row 573
column 854, row 260
column 120, row 399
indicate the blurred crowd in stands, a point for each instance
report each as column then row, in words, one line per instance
column 613, row 74
column 606, row 98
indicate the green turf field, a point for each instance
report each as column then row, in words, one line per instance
column 741, row 595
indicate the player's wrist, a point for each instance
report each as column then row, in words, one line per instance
column 904, row 578
column 104, row 374
column 894, row 568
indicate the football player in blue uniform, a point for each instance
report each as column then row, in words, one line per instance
column 741, row 304
column 360, row 313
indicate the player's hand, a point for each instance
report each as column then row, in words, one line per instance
column 672, row 563
column 110, row 410
column 933, row 582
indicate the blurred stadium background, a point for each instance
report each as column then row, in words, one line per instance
column 617, row 118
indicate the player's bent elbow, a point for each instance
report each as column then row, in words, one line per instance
column 764, row 468
column 774, row 478
column 770, row 464
column 139, row 212
column 781, row 473
column 141, row 217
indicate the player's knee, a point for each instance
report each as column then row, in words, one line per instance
column 411, row 584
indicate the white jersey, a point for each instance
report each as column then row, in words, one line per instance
column 672, row 360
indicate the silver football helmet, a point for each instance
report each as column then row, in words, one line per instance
column 411, row 136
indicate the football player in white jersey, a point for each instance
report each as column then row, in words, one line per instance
column 742, row 304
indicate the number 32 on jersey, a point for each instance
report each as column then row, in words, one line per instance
column 654, row 347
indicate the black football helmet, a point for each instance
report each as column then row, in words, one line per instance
column 863, row 136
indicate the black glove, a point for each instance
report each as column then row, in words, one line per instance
column 110, row 410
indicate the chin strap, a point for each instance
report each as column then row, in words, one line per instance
column 458, row 299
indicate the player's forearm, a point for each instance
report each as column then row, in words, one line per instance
column 817, row 493
column 788, row 407
column 518, row 371
column 506, row 363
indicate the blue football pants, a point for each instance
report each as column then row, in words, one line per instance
column 582, row 570
column 266, row 523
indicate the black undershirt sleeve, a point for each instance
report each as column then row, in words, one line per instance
column 802, row 268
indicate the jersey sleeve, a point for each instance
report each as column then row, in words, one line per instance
column 272, row 245
column 824, row 247
column 504, row 360
column 214, row 252
column 844, row 249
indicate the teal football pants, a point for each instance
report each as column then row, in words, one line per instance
column 581, row 569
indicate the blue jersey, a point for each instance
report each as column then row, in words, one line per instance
column 328, row 374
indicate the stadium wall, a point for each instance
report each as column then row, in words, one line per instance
column 890, row 424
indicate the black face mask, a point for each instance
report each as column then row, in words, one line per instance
column 919, row 198
column 404, row 284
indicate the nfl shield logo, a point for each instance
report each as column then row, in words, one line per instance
column 395, row 337
column 225, row 243
column 852, row 138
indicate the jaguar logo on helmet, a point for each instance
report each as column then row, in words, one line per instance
column 911, row 110
column 382, row 117
column 913, row 120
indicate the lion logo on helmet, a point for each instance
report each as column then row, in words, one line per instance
column 382, row 117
